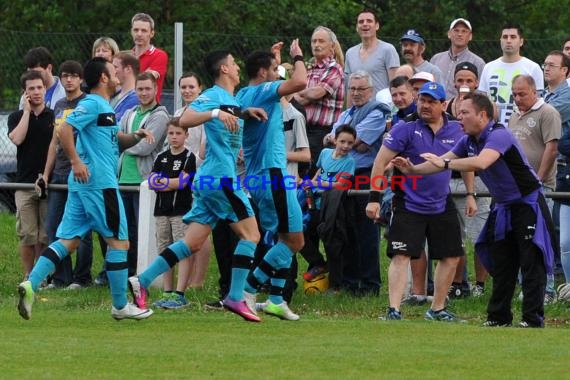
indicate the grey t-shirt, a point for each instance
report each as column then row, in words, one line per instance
column 429, row 68
column 62, row 108
column 383, row 58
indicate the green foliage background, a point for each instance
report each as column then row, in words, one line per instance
column 540, row 18
column 68, row 28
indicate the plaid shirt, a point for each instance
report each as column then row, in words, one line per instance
column 329, row 75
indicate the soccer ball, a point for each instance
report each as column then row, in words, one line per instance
column 564, row 292
column 318, row 285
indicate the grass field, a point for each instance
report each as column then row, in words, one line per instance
column 71, row 335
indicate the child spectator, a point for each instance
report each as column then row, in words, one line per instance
column 334, row 164
column 173, row 199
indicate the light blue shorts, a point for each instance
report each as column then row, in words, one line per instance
column 276, row 197
column 98, row 210
column 218, row 200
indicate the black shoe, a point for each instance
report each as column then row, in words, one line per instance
column 455, row 291
column 466, row 289
column 496, row 324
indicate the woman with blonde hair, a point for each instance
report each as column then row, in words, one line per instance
column 105, row 47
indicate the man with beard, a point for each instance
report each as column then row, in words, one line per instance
column 413, row 48
column 93, row 200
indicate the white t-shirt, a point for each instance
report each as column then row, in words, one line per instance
column 383, row 58
column 496, row 80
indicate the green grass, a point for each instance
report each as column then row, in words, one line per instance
column 71, row 335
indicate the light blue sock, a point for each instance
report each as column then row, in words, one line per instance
column 117, row 272
column 163, row 262
column 249, row 288
column 279, row 256
column 245, row 251
column 47, row 262
column 277, row 284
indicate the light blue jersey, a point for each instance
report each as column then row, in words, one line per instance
column 223, row 146
column 263, row 141
column 97, row 143
column 331, row 167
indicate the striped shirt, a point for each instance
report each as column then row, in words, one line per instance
column 329, row 75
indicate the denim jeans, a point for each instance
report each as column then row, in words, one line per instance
column 550, row 287
column 64, row 274
column 565, row 240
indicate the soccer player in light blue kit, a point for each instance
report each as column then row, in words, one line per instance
column 93, row 201
column 270, row 185
column 216, row 194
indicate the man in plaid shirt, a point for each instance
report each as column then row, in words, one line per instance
column 324, row 96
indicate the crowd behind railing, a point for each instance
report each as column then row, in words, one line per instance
column 349, row 128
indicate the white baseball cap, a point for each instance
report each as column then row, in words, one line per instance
column 422, row 75
column 460, row 20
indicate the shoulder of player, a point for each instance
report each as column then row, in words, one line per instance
column 93, row 100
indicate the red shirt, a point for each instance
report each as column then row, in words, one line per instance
column 155, row 59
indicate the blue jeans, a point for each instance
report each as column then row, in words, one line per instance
column 64, row 274
column 550, row 287
column 565, row 240
column 131, row 203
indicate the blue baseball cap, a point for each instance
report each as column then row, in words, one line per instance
column 413, row 35
column 433, row 89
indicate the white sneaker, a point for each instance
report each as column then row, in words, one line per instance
column 550, row 298
column 477, row 291
column 74, row 286
column 250, row 300
column 130, row 311
column 260, row 305
column 563, row 291
column 415, row 299
column 280, row 311
column 46, row 286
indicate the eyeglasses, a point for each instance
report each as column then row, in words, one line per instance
column 549, row 66
column 66, row 75
column 358, row 89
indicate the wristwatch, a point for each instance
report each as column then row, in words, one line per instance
column 446, row 162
